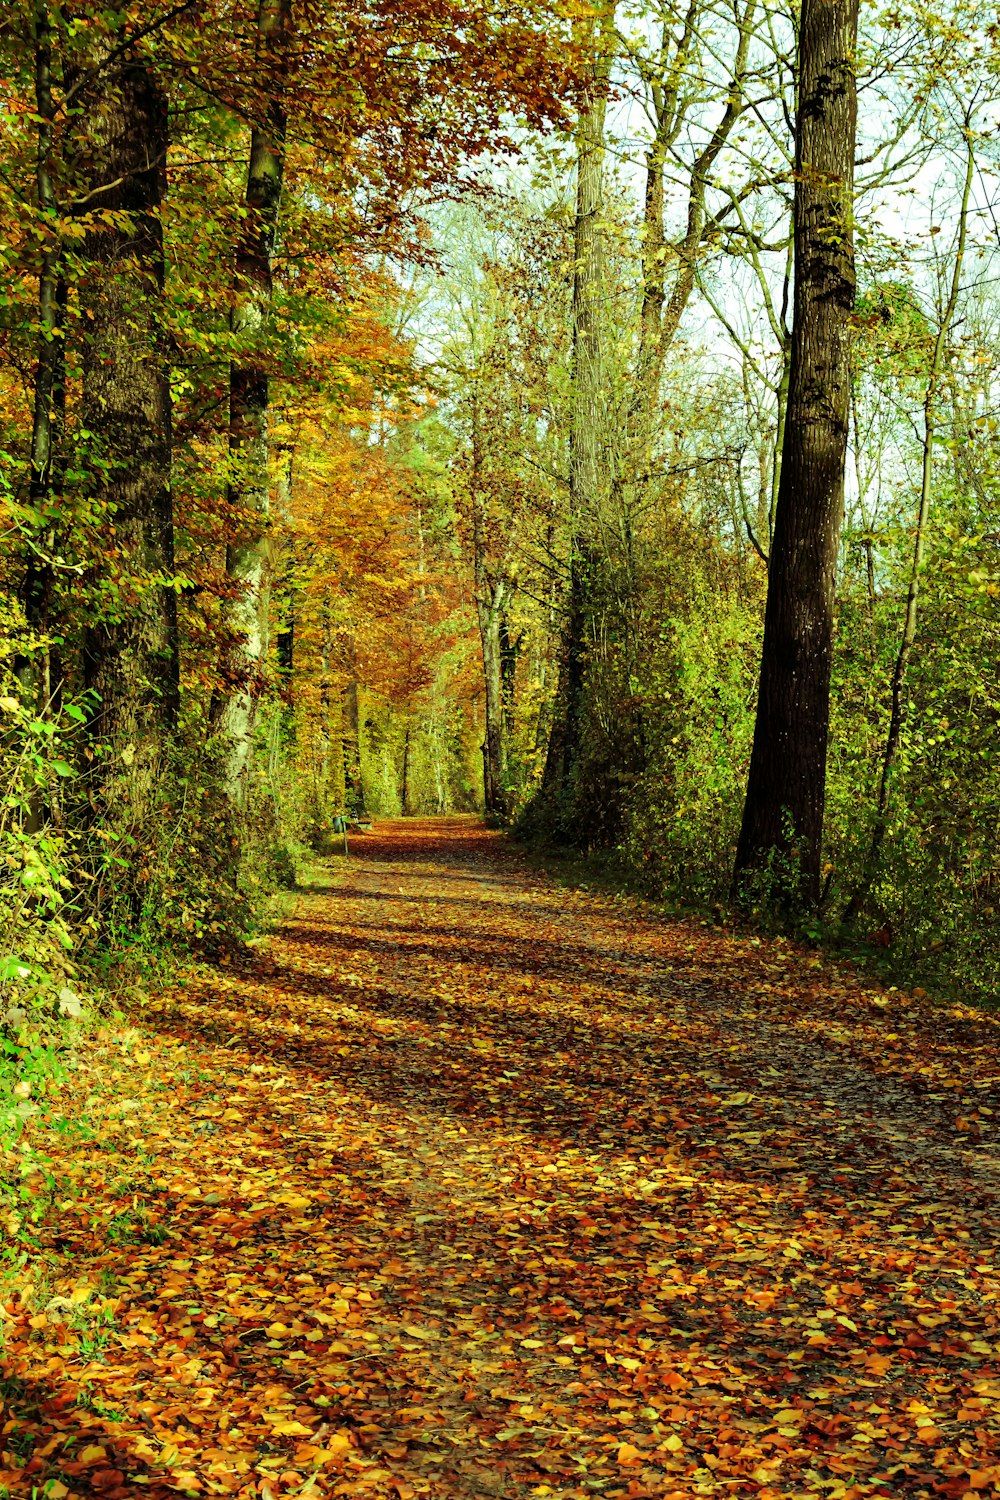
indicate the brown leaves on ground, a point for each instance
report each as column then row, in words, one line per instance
column 478, row 1187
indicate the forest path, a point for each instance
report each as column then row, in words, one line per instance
column 475, row 1185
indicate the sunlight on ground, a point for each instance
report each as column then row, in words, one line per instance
column 476, row 1186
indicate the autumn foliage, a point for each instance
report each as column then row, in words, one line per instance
column 557, row 1199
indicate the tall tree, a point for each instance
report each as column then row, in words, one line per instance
column 131, row 652
column 493, row 591
column 48, row 395
column 783, row 813
column 248, row 553
column 588, row 427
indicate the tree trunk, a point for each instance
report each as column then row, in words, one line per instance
column 783, row 815
column 779, row 439
column 437, row 764
column 406, row 795
column 491, row 594
column 510, row 651
column 588, row 432
column 354, row 792
column 131, row 657
column 38, row 682
column 248, row 560
column 494, row 787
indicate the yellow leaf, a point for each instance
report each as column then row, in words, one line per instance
column 338, row 1443
column 673, row 1443
column 628, row 1455
column 94, row 1453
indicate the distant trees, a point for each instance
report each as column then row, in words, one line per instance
column 782, row 751
column 325, row 490
column 196, row 207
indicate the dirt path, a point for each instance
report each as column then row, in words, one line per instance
column 478, row 1186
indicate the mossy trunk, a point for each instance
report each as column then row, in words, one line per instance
column 588, row 428
column 248, row 553
column 131, row 656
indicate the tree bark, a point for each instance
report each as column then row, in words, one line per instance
column 783, row 815
column 35, row 671
column 354, row 792
column 510, row 651
column 491, row 594
column 494, row 750
column 325, row 706
column 406, row 794
column 248, row 559
column 588, row 428
column 131, row 657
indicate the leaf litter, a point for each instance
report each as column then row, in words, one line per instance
column 470, row 1185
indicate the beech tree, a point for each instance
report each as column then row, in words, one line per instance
column 48, row 399
column 131, row 649
column 248, row 554
column 588, row 425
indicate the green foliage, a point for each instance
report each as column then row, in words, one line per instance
column 39, row 1004
column 683, row 819
column 891, row 329
column 179, row 871
column 934, row 912
column 416, row 762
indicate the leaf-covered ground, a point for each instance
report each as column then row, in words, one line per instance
column 477, row 1186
